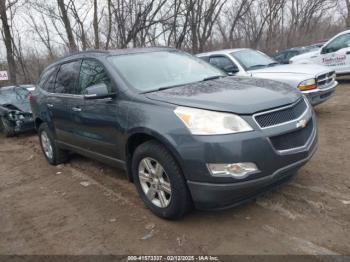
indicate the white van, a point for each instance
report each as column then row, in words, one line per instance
column 335, row 53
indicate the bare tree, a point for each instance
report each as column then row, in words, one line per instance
column 80, row 21
column 43, row 32
column 109, row 26
column 203, row 16
column 65, row 19
column 7, row 36
column 95, row 25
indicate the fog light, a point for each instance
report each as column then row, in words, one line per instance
column 236, row 170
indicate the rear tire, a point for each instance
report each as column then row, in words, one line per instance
column 169, row 197
column 7, row 128
column 52, row 152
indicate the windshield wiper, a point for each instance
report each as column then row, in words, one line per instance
column 162, row 88
column 273, row 64
column 211, row 78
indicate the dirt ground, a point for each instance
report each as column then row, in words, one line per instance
column 85, row 207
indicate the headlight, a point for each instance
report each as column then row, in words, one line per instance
column 307, row 85
column 15, row 115
column 205, row 122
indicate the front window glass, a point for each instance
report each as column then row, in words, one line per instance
column 92, row 73
column 251, row 59
column 338, row 43
column 162, row 69
column 67, row 78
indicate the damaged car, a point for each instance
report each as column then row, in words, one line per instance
column 15, row 112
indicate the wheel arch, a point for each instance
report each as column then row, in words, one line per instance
column 37, row 122
column 140, row 136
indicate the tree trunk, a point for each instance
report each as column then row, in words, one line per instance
column 95, row 25
column 65, row 19
column 348, row 16
column 109, row 5
column 8, row 43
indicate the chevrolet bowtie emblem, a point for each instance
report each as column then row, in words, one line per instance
column 301, row 123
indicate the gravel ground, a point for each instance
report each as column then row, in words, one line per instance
column 85, row 207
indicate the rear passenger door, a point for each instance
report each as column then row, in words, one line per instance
column 64, row 99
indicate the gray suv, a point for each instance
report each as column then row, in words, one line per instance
column 186, row 133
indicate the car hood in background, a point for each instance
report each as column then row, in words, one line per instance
column 23, row 106
column 310, row 70
column 305, row 57
column 240, row 95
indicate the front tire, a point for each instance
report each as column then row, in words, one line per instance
column 7, row 128
column 52, row 152
column 159, row 181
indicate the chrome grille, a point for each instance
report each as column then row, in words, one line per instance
column 293, row 139
column 280, row 116
column 325, row 79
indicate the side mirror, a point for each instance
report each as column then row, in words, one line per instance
column 231, row 69
column 97, row 91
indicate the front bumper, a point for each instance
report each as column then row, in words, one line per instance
column 275, row 167
column 319, row 96
column 24, row 125
column 221, row 196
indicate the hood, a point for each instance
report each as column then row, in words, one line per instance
column 23, row 106
column 292, row 69
column 240, row 95
column 305, row 55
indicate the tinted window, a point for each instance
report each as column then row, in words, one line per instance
column 67, row 78
column 290, row 54
column 338, row 43
column 153, row 70
column 92, row 73
column 44, row 78
column 280, row 57
column 49, row 85
column 221, row 62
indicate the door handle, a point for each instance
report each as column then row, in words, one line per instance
column 76, row 109
column 50, row 105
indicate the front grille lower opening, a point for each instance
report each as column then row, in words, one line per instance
column 297, row 138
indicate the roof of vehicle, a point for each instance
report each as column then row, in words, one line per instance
column 223, row 51
column 99, row 53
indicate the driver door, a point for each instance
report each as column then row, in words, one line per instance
column 336, row 54
column 96, row 120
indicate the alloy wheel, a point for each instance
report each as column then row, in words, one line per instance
column 46, row 144
column 154, row 181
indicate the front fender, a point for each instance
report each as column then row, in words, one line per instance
column 165, row 140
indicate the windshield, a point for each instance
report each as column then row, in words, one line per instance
column 13, row 95
column 251, row 59
column 163, row 69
